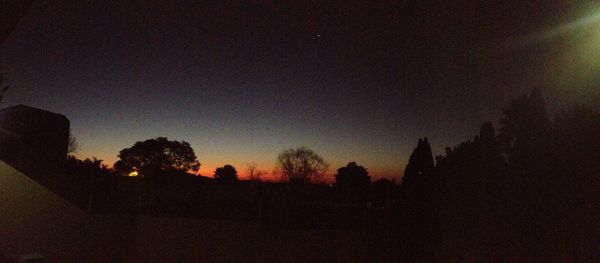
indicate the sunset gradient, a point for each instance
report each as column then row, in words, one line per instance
column 242, row 82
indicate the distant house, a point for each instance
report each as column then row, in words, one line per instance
column 32, row 140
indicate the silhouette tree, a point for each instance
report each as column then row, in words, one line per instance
column 545, row 182
column 575, row 180
column 577, row 142
column 253, row 172
column 382, row 191
column 86, row 167
column 420, row 163
column 353, row 177
column 227, row 173
column 470, row 179
column 417, row 193
column 524, row 126
column 84, row 180
column 301, row 164
column 73, row 145
column 157, row 156
column 526, row 136
column 534, row 182
column 475, row 163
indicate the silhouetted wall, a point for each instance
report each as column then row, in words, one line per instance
column 35, row 220
column 33, row 141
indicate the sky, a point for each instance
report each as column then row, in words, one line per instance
column 242, row 81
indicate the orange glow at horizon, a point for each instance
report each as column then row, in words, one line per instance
column 269, row 173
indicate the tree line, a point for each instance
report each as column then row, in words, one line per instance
column 163, row 157
column 526, row 191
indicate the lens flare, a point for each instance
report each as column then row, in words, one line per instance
column 571, row 53
column 589, row 21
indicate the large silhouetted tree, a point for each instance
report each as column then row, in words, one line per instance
column 524, row 127
column 417, row 190
column 157, row 156
column 301, row 164
column 478, row 159
column 533, row 182
column 532, row 179
column 353, row 177
column 382, row 191
column 572, row 182
column 420, row 163
column 227, row 173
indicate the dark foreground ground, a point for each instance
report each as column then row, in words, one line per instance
column 124, row 220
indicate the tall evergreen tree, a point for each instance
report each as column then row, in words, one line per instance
column 420, row 163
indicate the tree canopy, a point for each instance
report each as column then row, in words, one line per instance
column 524, row 125
column 301, row 164
column 420, row 163
column 157, row 156
column 227, row 173
column 353, row 176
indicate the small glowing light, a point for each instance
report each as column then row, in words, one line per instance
column 134, row 173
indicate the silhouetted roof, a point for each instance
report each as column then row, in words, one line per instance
column 25, row 108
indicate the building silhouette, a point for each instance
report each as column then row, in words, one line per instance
column 33, row 141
